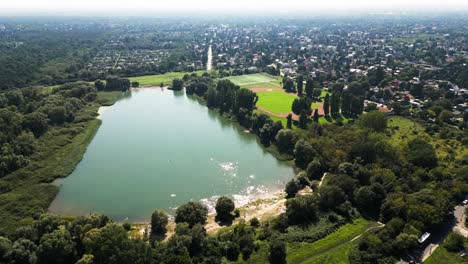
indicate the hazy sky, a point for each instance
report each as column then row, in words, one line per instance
column 148, row 7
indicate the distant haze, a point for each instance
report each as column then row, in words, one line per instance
column 251, row 7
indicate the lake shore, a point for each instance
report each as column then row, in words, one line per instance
column 263, row 208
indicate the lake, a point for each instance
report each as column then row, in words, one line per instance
column 159, row 149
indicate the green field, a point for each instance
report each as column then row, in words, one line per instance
column 257, row 80
column 334, row 248
column 156, row 80
column 277, row 102
column 441, row 255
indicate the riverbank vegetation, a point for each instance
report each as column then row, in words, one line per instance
column 44, row 136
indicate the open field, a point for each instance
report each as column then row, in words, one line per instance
column 404, row 130
column 334, row 248
column 156, row 80
column 257, row 80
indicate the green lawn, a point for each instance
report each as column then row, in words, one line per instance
column 334, row 248
column 156, row 80
column 441, row 255
column 277, row 102
column 257, row 80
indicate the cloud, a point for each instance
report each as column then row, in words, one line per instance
column 212, row 6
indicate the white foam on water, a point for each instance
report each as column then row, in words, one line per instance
column 246, row 196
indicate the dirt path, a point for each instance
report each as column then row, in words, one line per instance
column 460, row 217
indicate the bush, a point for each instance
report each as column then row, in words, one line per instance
column 127, row 226
column 454, row 242
column 254, row 222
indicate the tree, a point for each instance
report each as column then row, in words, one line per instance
column 23, row 251
column 304, row 153
column 366, row 200
column 177, row 84
column 292, row 187
column 285, row 141
column 302, row 209
column 191, row 213
column 111, row 244
column 232, row 251
column 330, row 197
column 309, row 88
column 100, row 85
column 159, row 222
column 289, row 121
column 56, row 247
column 300, row 84
column 288, row 85
column 422, row 154
column 303, row 119
column 224, row 207
column 277, row 252
column 301, row 104
column 317, row 92
column 326, row 105
column 36, row 122
column 375, row 121
column 115, row 83
column 86, row 259
column 314, row 170
column 454, row 242
column 57, row 114
column 316, row 116
column 5, row 249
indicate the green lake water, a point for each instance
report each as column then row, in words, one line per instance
column 159, row 149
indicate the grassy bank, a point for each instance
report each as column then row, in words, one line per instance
column 156, row 80
column 441, row 255
column 28, row 190
column 334, row 248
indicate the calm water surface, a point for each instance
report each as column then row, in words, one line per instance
column 160, row 149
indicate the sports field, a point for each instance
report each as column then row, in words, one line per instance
column 276, row 101
column 259, row 80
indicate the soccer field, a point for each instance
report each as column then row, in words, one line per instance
column 251, row 79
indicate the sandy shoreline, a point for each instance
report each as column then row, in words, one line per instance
column 264, row 208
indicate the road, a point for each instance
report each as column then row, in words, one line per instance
column 209, row 62
column 455, row 224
